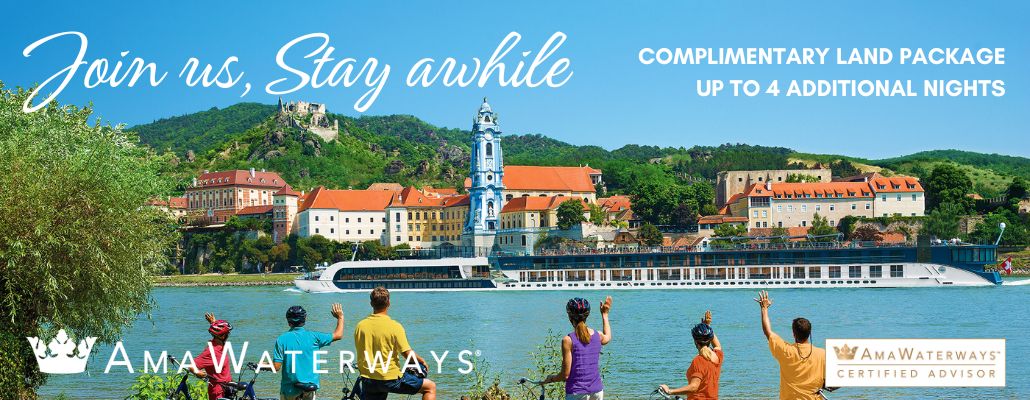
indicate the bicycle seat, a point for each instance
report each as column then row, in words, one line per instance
column 306, row 387
column 235, row 385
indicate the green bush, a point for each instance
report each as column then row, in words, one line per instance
column 149, row 387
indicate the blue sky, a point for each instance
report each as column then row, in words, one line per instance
column 611, row 99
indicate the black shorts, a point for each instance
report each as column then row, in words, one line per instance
column 371, row 389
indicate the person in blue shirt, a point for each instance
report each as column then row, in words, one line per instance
column 294, row 354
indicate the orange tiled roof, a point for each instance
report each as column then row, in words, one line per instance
column 457, row 200
column 895, row 184
column 720, row 219
column 286, row 191
column 560, row 179
column 347, row 200
column 178, row 202
column 537, row 203
column 615, row 203
column 734, row 198
column 806, row 190
column 411, row 197
column 240, row 177
column 385, row 186
column 253, row 210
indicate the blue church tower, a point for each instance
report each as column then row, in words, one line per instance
column 487, row 173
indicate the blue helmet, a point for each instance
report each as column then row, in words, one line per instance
column 702, row 333
column 578, row 308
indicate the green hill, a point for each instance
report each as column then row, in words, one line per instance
column 405, row 149
column 202, row 130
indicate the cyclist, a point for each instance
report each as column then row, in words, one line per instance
column 379, row 340
column 294, row 353
column 581, row 352
column 802, row 365
column 703, row 373
column 214, row 366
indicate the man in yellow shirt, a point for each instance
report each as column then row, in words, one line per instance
column 802, row 365
column 380, row 343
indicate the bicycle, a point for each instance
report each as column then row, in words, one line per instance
column 524, row 382
column 663, row 395
column 232, row 390
column 182, row 390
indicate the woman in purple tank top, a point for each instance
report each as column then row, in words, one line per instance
column 581, row 352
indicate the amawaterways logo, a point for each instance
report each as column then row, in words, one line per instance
column 915, row 362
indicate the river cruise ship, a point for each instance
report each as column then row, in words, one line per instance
column 809, row 265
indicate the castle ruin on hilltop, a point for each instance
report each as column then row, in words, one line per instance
column 317, row 122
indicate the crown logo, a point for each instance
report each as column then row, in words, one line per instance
column 62, row 355
column 847, row 353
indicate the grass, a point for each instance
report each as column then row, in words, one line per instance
column 226, row 279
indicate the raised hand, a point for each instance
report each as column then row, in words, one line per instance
column 763, row 299
column 337, row 311
column 606, row 306
column 210, row 318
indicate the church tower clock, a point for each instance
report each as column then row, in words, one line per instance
column 487, row 173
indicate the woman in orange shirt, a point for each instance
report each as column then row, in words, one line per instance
column 703, row 374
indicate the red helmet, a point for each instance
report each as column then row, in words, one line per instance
column 220, row 328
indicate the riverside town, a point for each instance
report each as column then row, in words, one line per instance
column 514, row 201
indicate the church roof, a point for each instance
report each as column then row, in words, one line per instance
column 573, row 179
column 552, row 179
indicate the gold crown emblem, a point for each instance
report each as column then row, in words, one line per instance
column 847, row 353
column 62, row 355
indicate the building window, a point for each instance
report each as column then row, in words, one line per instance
column 855, row 271
column 316, row 230
column 359, row 220
column 875, row 271
column 868, row 206
column 814, row 272
column 834, row 272
column 332, row 230
column 804, row 223
column 523, row 240
column 854, row 206
column 897, row 271
column 883, row 197
column 359, row 231
column 398, row 238
column 332, row 218
column 832, row 207
column 489, row 149
column 804, row 208
column 764, row 213
column 316, row 218
column 914, row 197
column 899, row 197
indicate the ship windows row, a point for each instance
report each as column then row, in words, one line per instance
column 680, row 274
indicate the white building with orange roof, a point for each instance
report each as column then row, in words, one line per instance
column 785, row 205
column 344, row 215
column 898, row 196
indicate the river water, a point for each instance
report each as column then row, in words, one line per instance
column 651, row 345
